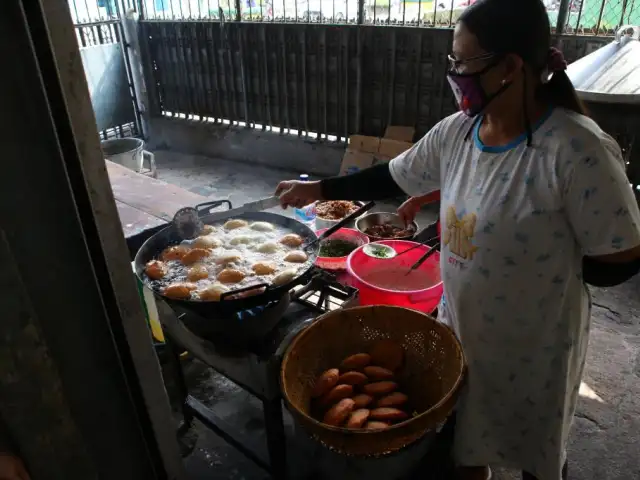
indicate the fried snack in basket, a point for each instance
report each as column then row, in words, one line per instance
column 325, row 382
column 362, row 400
column 376, row 374
column 377, row 389
column 387, row 354
column 395, row 399
column 337, row 414
column 337, row 393
column 356, row 362
column 358, row 418
column 353, row 378
column 388, row 414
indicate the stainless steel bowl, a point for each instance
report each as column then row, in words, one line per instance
column 380, row 218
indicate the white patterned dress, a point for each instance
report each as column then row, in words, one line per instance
column 516, row 222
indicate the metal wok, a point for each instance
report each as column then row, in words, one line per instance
column 152, row 248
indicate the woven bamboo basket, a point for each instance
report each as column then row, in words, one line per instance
column 432, row 375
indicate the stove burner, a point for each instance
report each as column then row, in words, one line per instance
column 237, row 328
column 252, row 312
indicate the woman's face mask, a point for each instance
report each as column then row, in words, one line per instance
column 467, row 87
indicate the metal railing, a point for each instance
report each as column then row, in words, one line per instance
column 597, row 17
column 594, row 17
column 306, row 80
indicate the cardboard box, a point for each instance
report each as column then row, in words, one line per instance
column 402, row 134
column 364, row 151
column 363, row 143
column 354, row 161
column 393, row 148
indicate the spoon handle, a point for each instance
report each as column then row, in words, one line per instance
column 418, row 245
column 343, row 222
column 423, row 258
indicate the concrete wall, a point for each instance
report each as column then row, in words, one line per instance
column 245, row 145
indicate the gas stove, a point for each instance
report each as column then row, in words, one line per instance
column 254, row 366
column 253, row 363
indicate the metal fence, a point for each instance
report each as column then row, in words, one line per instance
column 600, row 17
column 308, row 80
column 97, row 22
column 595, row 17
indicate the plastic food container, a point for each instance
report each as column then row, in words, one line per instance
column 340, row 263
column 424, row 300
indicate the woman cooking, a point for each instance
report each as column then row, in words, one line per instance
column 535, row 202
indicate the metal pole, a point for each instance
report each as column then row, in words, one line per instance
column 563, row 12
column 133, row 58
column 360, row 12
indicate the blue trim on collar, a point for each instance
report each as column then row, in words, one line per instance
column 513, row 143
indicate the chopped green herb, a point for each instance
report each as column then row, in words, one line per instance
column 336, row 248
column 380, row 252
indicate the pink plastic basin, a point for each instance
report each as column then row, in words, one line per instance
column 340, row 263
column 359, row 264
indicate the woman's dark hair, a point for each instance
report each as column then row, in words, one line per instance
column 521, row 27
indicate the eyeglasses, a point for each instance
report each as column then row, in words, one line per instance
column 455, row 64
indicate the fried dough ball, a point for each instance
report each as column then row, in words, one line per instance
column 297, row 256
column 263, row 268
column 291, row 240
column 285, row 276
column 208, row 229
column 231, row 275
column 194, row 256
column 262, row 226
column 212, row 292
column 155, row 269
column 179, row 290
column 175, row 252
column 235, row 223
column 244, row 239
column 197, row 272
column 268, row 247
column 207, row 242
column 229, row 256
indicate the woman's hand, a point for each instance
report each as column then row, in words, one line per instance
column 294, row 193
column 409, row 209
column 12, row 468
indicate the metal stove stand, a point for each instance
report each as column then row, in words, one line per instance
column 255, row 368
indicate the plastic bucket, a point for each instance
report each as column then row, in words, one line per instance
column 128, row 152
column 359, row 264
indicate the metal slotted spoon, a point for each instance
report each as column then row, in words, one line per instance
column 188, row 222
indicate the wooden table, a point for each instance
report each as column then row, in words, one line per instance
column 145, row 202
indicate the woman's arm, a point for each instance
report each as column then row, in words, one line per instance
column 374, row 183
column 603, row 212
column 413, row 172
column 613, row 269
